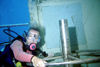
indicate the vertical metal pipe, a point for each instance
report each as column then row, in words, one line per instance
column 64, row 39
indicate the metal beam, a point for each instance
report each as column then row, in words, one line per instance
column 92, row 60
column 13, row 25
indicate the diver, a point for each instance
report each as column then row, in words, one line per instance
column 24, row 49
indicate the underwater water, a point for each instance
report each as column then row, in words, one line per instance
column 83, row 24
column 13, row 12
column 17, row 12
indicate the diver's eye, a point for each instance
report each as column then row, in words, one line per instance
column 36, row 36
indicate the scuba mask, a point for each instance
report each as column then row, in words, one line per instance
column 32, row 38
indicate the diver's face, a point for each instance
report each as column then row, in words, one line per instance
column 32, row 37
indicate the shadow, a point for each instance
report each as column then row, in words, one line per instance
column 73, row 42
column 73, row 39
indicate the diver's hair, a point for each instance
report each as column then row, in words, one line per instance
column 35, row 26
column 32, row 28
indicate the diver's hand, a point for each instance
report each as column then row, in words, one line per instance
column 37, row 62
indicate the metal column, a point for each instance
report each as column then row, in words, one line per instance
column 64, row 39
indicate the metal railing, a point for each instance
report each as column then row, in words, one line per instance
column 71, row 58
